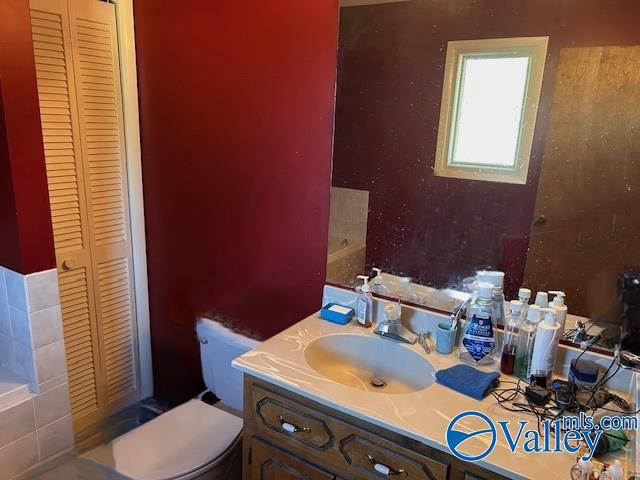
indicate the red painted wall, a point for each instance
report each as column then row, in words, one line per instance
column 237, row 107
column 26, row 237
column 391, row 64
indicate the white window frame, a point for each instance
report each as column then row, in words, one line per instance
column 533, row 47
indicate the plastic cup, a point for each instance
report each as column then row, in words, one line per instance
column 445, row 338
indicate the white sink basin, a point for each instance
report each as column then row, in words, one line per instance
column 370, row 363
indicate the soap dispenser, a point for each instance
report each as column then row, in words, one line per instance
column 364, row 303
column 378, row 282
column 559, row 307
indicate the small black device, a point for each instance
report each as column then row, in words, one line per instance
column 537, row 395
column 564, row 392
column 539, row 380
column 629, row 294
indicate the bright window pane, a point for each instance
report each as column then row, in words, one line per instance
column 489, row 111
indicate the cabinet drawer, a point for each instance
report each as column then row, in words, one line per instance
column 306, row 429
column 288, row 419
column 271, row 463
column 372, row 459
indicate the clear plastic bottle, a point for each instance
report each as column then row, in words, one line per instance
column 526, row 340
column 510, row 342
column 524, row 295
column 478, row 342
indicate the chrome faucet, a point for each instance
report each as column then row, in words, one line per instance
column 397, row 332
column 455, row 316
column 392, row 328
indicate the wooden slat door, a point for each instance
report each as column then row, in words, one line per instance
column 95, row 52
column 81, row 112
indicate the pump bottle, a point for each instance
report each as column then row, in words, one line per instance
column 378, row 282
column 559, row 307
column 364, row 303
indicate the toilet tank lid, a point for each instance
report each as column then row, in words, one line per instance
column 177, row 442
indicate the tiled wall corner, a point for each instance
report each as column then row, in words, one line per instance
column 34, row 324
column 39, row 427
column 6, row 350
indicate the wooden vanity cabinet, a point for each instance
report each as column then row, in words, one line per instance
column 287, row 436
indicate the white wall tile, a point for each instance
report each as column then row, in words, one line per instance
column 6, row 352
column 16, row 421
column 42, row 290
column 16, row 289
column 53, row 383
column 50, row 361
column 46, row 326
column 16, row 457
column 55, row 437
column 5, row 322
column 52, row 405
column 23, row 363
column 3, row 288
column 20, row 329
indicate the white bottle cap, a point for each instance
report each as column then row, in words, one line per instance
column 524, row 293
column 558, row 299
column 542, row 299
column 365, row 283
column 495, row 278
column 485, row 290
column 515, row 306
column 533, row 314
column 549, row 316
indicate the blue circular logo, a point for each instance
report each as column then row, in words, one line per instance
column 456, row 438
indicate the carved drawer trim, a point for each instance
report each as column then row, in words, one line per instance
column 273, row 413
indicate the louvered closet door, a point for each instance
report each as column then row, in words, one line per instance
column 77, row 63
column 95, row 52
column 65, row 174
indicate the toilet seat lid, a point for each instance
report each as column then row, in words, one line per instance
column 177, row 442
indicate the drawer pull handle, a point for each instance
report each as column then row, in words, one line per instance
column 291, row 427
column 384, row 469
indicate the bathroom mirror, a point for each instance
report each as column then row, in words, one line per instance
column 501, row 134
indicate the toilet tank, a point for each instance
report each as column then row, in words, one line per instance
column 218, row 347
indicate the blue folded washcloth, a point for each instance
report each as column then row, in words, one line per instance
column 468, row 380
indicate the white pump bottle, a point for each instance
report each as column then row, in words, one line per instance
column 559, row 307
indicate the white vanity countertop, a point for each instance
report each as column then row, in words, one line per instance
column 423, row 415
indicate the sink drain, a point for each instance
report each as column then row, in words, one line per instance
column 378, row 382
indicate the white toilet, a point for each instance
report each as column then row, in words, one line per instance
column 195, row 440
